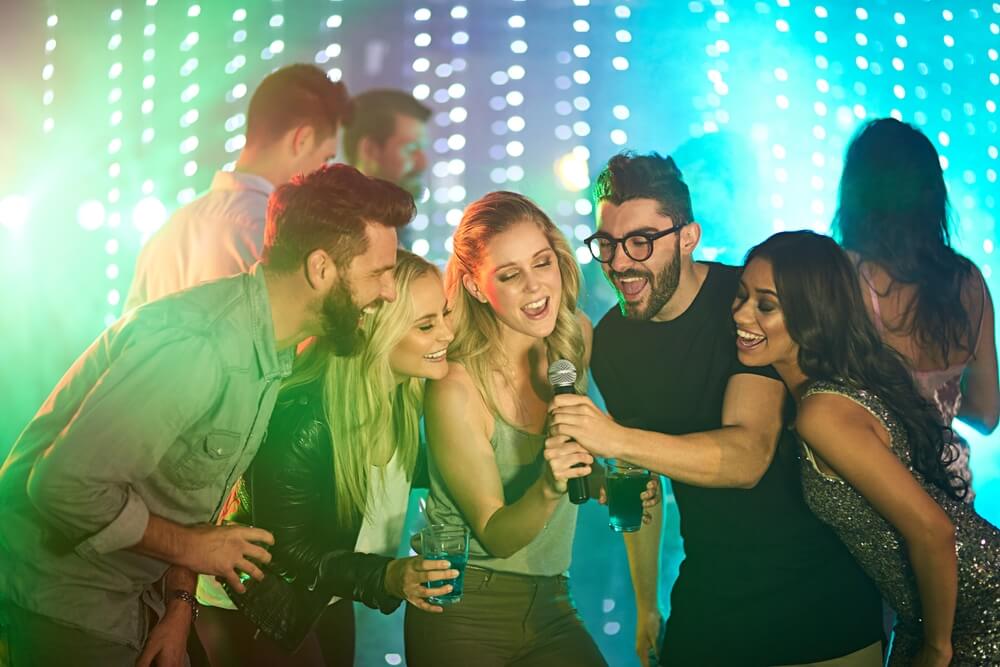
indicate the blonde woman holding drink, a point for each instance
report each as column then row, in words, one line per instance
column 332, row 479
column 513, row 284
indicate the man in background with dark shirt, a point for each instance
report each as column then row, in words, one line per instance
column 763, row 582
column 387, row 138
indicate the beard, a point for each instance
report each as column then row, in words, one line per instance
column 661, row 288
column 340, row 318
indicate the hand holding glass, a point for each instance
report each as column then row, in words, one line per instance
column 450, row 543
column 625, row 484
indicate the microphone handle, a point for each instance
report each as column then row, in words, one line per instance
column 576, row 487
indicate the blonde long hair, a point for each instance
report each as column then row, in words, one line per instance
column 366, row 409
column 475, row 324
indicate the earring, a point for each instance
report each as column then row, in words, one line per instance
column 476, row 294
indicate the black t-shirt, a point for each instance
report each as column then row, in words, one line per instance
column 755, row 559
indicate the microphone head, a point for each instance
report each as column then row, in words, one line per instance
column 562, row 373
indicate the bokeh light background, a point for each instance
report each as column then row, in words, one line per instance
column 115, row 113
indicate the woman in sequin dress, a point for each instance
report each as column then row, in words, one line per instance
column 928, row 302
column 875, row 463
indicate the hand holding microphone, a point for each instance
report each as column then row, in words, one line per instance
column 576, row 419
column 562, row 377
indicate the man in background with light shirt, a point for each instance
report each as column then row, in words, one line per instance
column 292, row 127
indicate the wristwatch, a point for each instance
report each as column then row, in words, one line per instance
column 180, row 594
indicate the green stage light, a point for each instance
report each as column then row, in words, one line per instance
column 90, row 215
column 14, row 212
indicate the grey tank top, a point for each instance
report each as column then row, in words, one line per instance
column 519, row 460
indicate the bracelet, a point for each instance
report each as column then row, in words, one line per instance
column 180, row 594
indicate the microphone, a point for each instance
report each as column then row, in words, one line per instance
column 562, row 377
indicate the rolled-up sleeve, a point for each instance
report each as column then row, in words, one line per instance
column 124, row 530
column 151, row 393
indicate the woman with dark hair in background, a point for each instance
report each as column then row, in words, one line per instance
column 875, row 464
column 928, row 302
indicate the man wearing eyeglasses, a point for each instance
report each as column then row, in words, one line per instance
column 763, row 582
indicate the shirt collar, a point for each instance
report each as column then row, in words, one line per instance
column 241, row 180
column 273, row 364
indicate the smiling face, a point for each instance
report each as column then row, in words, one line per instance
column 643, row 288
column 519, row 277
column 366, row 283
column 762, row 337
column 422, row 352
column 370, row 273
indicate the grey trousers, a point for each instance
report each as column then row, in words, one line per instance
column 502, row 620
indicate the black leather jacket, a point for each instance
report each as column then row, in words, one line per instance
column 289, row 489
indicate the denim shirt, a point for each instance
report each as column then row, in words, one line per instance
column 161, row 415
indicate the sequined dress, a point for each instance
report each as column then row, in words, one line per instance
column 881, row 551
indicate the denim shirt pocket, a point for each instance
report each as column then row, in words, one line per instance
column 205, row 459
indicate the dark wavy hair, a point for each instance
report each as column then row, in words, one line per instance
column 329, row 209
column 824, row 313
column 894, row 211
column 630, row 176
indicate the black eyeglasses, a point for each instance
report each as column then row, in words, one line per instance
column 638, row 245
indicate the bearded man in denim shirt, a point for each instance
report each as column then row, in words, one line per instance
column 126, row 466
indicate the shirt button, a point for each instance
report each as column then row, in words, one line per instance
column 219, row 451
